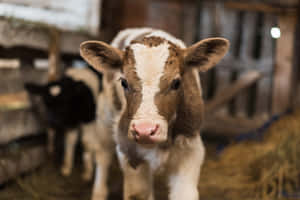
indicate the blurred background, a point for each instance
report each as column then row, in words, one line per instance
column 251, row 128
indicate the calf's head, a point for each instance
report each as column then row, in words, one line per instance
column 58, row 97
column 153, row 71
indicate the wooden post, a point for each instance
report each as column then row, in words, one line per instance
column 296, row 73
column 283, row 68
column 54, row 53
column 232, row 90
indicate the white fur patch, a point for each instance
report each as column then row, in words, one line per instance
column 150, row 65
column 135, row 34
column 128, row 35
column 55, row 90
column 167, row 36
column 120, row 154
column 154, row 157
column 182, row 188
column 98, row 175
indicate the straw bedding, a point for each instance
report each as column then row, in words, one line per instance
column 265, row 169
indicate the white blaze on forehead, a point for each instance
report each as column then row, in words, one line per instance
column 128, row 35
column 168, row 37
column 150, row 64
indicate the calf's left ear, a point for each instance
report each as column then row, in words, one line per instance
column 101, row 55
column 206, row 53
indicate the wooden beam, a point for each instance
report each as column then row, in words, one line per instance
column 260, row 7
column 14, row 164
column 232, row 90
column 54, row 54
column 12, row 101
column 9, row 63
column 283, row 68
column 229, row 127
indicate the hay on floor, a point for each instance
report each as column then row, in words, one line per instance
column 267, row 169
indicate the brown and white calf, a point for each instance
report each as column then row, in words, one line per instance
column 158, row 128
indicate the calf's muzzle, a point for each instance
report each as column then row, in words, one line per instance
column 145, row 132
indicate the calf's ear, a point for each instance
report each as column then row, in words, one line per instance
column 101, row 55
column 33, row 88
column 206, row 53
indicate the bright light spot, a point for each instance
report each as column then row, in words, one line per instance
column 275, row 32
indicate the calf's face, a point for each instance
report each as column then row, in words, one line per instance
column 152, row 80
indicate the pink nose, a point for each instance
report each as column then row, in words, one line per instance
column 144, row 130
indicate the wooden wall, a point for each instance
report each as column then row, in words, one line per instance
column 256, row 79
column 175, row 16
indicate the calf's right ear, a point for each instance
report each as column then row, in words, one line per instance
column 33, row 88
column 205, row 54
column 101, row 55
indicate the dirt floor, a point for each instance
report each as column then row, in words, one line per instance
column 46, row 183
column 233, row 174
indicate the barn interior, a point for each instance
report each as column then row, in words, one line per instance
column 251, row 128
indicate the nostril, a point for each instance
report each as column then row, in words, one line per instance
column 154, row 130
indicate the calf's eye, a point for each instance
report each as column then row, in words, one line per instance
column 175, row 84
column 124, row 84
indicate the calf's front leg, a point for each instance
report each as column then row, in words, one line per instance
column 88, row 141
column 184, row 177
column 71, row 138
column 103, row 161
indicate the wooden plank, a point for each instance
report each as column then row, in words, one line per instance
column 17, row 123
column 223, row 81
column 206, row 20
column 246, row 56
column 264, row 86
column 216, row 10
column 12, row 80
column 189, row 22
column 13, row 101
column 54, row 55
column 230, row 127
column 248, row 37
column 205, row 31
column 232, row 90
column 9, row 63
column 13, row 164
column 166, row 15
column 283, row 65
column 76, row 15
column 296, row 73
column 260, row 7
column 16, row 34
column 238, row 65
column 228, row 20
column 136, row 18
